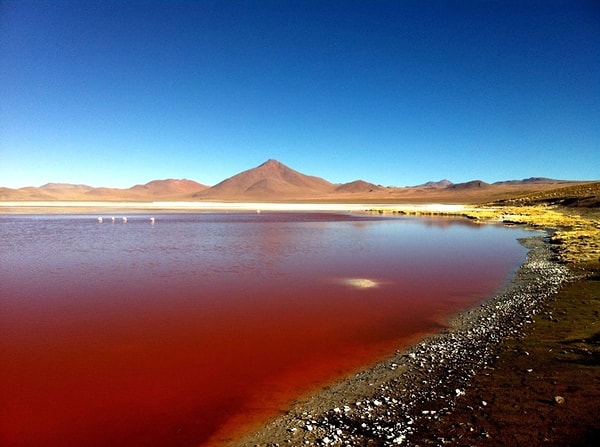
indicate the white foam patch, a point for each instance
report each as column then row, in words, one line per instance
column 361, row 283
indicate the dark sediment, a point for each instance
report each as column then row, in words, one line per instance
column 542, row 389
column 436, row 393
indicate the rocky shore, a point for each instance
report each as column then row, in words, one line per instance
column 390, row 403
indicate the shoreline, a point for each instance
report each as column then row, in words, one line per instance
column 387, row 403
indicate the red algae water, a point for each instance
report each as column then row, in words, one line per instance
column 185, row 331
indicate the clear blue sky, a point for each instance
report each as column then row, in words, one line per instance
column 114, row 93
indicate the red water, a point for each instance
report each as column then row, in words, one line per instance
column 191, row 350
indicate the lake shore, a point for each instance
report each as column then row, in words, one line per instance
column 477, row 382
column 490, row 378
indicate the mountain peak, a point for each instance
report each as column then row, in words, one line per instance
column 271, row 162
column 270, row 180
column 272, row 165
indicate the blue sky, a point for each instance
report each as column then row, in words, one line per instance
column 114, row 93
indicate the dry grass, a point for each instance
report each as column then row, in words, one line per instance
column 577, row 236
column 575, row 231
column 572, row 213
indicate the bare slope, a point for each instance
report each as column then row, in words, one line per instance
column 169, row 189
column 359, row 186
column 584, row 195
column 271, row 180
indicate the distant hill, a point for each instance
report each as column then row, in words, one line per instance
column 531, row 180
column 27, row 193
column 359, row 186
column 439, row 184
column 582, row 195
column 169, row 187
column 473, row 184
column 107, row 194
column 65, row 187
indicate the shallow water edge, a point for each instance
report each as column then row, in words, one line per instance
column 386, row 403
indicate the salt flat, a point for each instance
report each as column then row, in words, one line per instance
column 76, row 206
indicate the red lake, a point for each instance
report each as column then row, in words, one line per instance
column 189, row 330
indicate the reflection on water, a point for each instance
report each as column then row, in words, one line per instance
column 185, row 330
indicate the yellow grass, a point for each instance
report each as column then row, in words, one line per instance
column 577, row 237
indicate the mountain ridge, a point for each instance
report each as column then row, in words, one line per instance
column 274, row 181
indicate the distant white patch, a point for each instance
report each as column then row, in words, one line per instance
column 361, row 283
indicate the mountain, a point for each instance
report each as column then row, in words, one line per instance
column 169, row 187
column 27, row 193
column 271, row 180
column 359, row 186
column 65, row 187
column 473, row 184
column 440, row 184
column 531, row 180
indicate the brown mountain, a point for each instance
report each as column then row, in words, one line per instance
column 473, row 184
column 271, row 180
column 359, row 186
column 27, row 193
column 63, row 191
column 103, row 193
column 169, row 187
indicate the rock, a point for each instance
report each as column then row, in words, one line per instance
column 559, row 400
